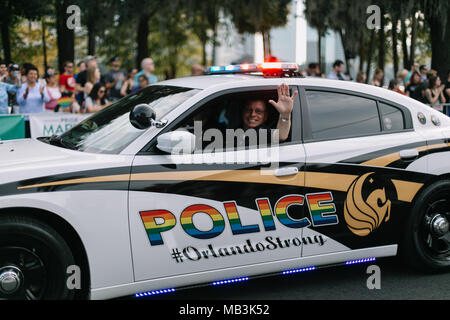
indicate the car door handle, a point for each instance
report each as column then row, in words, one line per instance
column 285, row 172
column 409, row 154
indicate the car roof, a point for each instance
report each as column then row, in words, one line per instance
column 204, row 82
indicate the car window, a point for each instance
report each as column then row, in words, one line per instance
column 219, row 123
column 338, row 115
column 110, row 131
column 392, row 118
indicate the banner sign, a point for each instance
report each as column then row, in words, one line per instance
column 12, row 127
column 46, row 125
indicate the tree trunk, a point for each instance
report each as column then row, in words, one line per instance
column 5, row 39
column 142, row 39
column 91, row 37
column 412, row 50
column 382, row 44
column 406, row 64
column 440, row 45
column 362, row 50
column 370, row 55
column 214, row 46
column 266, row 41
column 204, row 54
column 65, row 36
column 346, row 52
column 319, row 49
column 394, row 45
column 44, row 45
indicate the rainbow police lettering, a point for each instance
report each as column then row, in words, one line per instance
column 320, row 205
column 322, row 209
column 189, row 227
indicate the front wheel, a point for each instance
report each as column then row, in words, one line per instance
column 33, row 260
column 426, row 243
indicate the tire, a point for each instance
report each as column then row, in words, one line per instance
column 37, row 255
column 424, row 247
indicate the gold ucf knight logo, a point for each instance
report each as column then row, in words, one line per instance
column 363, row 216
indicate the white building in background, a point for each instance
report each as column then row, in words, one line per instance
column 296, row 42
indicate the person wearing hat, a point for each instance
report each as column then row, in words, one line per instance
column 13, row 78
column 114, row 79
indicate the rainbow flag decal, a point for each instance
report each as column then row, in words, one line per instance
column 65, row 102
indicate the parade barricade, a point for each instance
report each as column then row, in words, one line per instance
column 37, row 125
column 12, row 127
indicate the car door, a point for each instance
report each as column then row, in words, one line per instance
column 194, row 213
column 360, row 176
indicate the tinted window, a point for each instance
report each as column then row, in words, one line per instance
column 392, row 118
column 336, row 115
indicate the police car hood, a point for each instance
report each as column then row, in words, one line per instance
column 29, row 158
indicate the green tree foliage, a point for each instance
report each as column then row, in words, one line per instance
column 12, row 11
column 253, row 16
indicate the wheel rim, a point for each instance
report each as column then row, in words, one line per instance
column 23, row 275
column 435, row 230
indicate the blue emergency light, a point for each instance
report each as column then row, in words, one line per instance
column 267, row 69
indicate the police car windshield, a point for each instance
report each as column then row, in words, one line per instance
column 110, row 131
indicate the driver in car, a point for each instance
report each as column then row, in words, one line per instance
column 255, row 114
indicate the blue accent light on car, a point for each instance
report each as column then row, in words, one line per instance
column 216, row 69
column 152, row 293
column 298, row 270
column 228, row 281
column 360, row 261
column 231, row 68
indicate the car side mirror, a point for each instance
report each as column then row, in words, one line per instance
column 177, row 142
column 142, row 116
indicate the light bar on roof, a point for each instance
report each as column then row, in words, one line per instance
column 267, row 69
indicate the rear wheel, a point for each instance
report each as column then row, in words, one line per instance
column 33, row 260
column 427, row 236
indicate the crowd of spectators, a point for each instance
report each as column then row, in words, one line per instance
column 24, row 90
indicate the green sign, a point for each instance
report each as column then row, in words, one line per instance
column 12, row 127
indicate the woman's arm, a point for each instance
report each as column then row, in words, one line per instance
column 430, row 98
column 20, row 95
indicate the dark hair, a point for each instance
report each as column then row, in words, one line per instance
column 143, row 76
column 338, row 63
column 432, row 81
column 422, row 67
column 392, row 84
column 412, row 78
column 94, row 92
column 27, row 66
column 31, row 68
column 312, row 65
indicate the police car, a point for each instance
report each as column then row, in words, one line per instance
column 134, row 201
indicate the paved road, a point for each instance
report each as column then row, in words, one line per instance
column 338, row 283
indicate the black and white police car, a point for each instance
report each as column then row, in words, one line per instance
column 132, row 201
